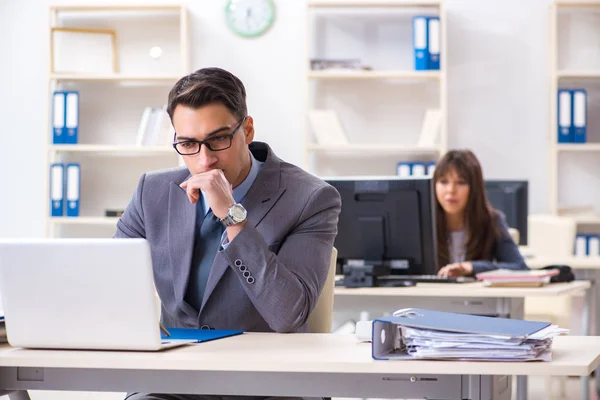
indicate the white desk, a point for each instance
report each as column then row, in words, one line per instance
column 272, row 364
column 470, row 298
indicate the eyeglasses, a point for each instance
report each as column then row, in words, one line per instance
column 215, row 143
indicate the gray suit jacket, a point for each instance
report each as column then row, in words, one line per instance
column 285, row 247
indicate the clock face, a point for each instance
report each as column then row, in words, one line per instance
column 250, row 18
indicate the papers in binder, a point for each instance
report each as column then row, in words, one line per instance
column 422, row 343
column 425, row 334
column 508, row 277
column 327, row 128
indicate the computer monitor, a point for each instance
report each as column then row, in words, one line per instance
column 511, row 197
column 389, row 222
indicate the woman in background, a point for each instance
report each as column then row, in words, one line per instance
column 472, row 237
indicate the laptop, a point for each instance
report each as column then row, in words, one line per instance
column 89, row 294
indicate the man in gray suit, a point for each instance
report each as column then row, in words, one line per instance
column 239, row 238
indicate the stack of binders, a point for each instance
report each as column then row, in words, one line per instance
column 65, row 181
column 424, row 334
column 415, row 169
column 587, row 245
column 426, row 42
column 572, row 115
column 65, row 117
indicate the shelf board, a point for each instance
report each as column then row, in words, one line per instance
column 577, row 3
column 350, row 74
column 115, row 8
column 581, row 74
column 374, row 3
column 100, row 148
column 578, row 147
column 166, row 79
column 586, row 219
column 84, row 220
column 372, row 149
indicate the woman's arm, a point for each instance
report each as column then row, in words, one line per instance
column 505, row 252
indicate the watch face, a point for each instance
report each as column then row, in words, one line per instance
column 238, row 212
column 250, row 17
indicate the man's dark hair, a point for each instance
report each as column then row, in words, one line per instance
column 207, row 86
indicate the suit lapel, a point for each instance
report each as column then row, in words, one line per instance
column 261, row 197
column 181, row 226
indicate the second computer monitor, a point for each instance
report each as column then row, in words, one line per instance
column 387, row 221
column 510, row 197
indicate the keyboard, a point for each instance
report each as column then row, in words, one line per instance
column 394, row 280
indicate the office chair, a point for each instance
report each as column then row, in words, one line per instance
column 320, row 318
column 514, row 234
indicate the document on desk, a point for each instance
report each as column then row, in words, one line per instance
column 200, row 335
column 426, row 334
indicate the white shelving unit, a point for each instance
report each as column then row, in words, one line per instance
column 575, row 63
column 380, row 109
column 373, row 3
column 435, row 75
column 117, row 149
column 111, row 104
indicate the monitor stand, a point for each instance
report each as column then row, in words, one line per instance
column 363, row 274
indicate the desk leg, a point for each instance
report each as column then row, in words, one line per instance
column 586, row 322
column 482, row 387
column 516, row 310
column 19, row 395
column 593, row 309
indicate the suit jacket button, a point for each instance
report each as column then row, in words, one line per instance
column 242, row 268
column 205, row 327
column 250, row 279
column 238, row 263
column 246, row 274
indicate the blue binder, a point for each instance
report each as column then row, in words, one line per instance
column 71, row 117
column 57, row 182
column 420, row 42
column 579, row 98
column 565, row 116
column 385, row 330
column 433, row 42
column 403, row 169
column 73, row 192
column 59, row 131
column 201, row 335
column 418, row 169
column 430, row 169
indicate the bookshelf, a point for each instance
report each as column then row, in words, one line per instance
column 435, row 75
column 150, row 52
column 575, row 64
column 373, row 3
column 380, row 108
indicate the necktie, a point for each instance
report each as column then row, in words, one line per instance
column 206, row 244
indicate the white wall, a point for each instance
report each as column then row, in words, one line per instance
column 498, row 90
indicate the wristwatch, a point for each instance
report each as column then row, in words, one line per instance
column 235, row 215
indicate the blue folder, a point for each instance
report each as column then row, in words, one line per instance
column 201, row 335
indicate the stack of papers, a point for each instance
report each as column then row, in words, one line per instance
column 414, row 333
column 429, row 344
column 512, row 278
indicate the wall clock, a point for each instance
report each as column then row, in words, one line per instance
column 250, row 18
